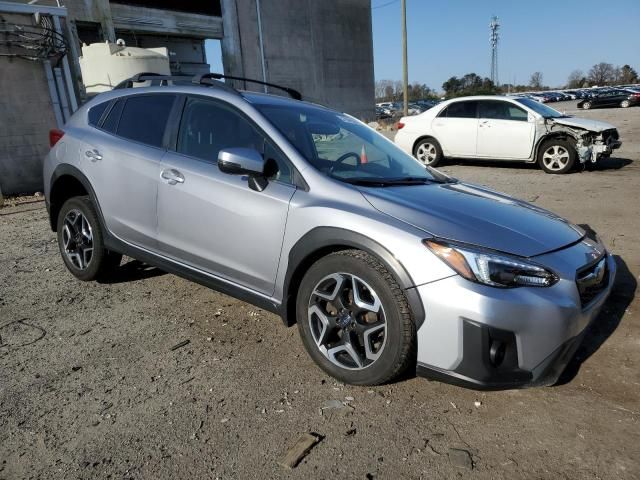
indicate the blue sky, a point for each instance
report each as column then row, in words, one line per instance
column 451, row 37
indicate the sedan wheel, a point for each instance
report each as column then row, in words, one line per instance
column 557, row 155
column 428, row 151
column 625, row 104
column 555, row 158
column 586, row 105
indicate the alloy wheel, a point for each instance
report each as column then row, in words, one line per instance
column 426, row 153
column 555, row 158
column 347, row 321
column 77, row 239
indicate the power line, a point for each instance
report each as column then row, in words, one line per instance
column 385, row 4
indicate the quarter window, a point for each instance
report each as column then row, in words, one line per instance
column 110, row 123
column 95, row 113
column 144, row 118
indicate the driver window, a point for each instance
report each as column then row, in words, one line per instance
column 208, row 127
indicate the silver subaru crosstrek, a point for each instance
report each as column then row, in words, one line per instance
column 307, row 212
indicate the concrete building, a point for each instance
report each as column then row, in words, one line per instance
column 322, row 48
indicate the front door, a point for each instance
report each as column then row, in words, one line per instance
column 213, row 221
column 504, row 131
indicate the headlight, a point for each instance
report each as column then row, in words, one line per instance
column 489, row 268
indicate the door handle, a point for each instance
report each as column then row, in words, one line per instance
column 172, row 176
column 93, row 154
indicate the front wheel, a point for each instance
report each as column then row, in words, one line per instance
column 354, row 319
column 428, row 151
column 556, row 156
column 81, row 241
column 586, row 105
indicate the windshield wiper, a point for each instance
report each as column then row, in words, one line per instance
column 383, row 182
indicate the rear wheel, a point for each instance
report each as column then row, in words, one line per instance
column 557, row 156
column 354, row 319
column 586, row 105
column 625, row 103
column 81, row 241
column 428, row 151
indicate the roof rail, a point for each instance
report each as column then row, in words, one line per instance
column 296, row 95
column 208, row 79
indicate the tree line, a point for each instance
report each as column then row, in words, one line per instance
column 601, row 74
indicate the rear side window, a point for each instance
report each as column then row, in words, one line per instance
column 95, row 113
column 460, row 110
column 144, row 118
column 110, row 123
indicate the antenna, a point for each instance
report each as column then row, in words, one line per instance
column 494, row 36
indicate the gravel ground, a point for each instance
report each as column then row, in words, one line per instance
column 90, row 386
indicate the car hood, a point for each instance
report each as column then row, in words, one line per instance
column 475, row 215
column 587, row 124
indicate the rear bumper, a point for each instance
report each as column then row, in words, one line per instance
column 489, row 339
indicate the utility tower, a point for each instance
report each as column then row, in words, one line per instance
column 494, row 26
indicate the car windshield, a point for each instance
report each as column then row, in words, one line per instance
column 540, row 108
column 344, row 148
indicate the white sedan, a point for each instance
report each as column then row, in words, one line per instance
column 505, row 128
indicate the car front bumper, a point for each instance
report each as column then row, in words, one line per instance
column 488, row 338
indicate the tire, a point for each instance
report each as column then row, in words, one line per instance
column 81, row 241
column 557, row 156
column 428, row 152
column 625, row 104
column 586, row 105
column 379, row 328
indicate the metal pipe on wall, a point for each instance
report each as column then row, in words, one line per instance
column 53, row 93
column 67, row 71
column 57, row 72
column 264, row 68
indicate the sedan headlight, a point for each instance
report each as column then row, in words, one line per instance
column 490, row 268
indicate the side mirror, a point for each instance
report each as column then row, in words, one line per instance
column 244, row 161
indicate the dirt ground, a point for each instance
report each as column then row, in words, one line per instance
column 91, row 387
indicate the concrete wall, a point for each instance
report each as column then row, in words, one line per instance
column 26, row 116
column 324, row 49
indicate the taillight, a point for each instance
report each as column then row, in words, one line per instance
column 400, row 125
column 54, row 136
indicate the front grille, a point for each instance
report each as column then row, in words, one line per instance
column 592, row 280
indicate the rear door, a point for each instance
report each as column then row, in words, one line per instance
column 123, row 156
column 456, row 129
column 213, row 221
column 504, row 131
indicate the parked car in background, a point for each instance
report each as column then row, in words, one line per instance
column 505, row 128
column 611, row 98
column 382, row 113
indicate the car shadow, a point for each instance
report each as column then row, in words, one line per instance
column 611, row 163
column 132, row 271
column 607, row 321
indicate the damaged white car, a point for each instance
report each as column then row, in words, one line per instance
column 505, row 128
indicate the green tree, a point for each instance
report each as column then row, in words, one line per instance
column 627, row 75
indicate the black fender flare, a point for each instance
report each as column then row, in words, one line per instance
column 323, row 240
column 65, row 169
